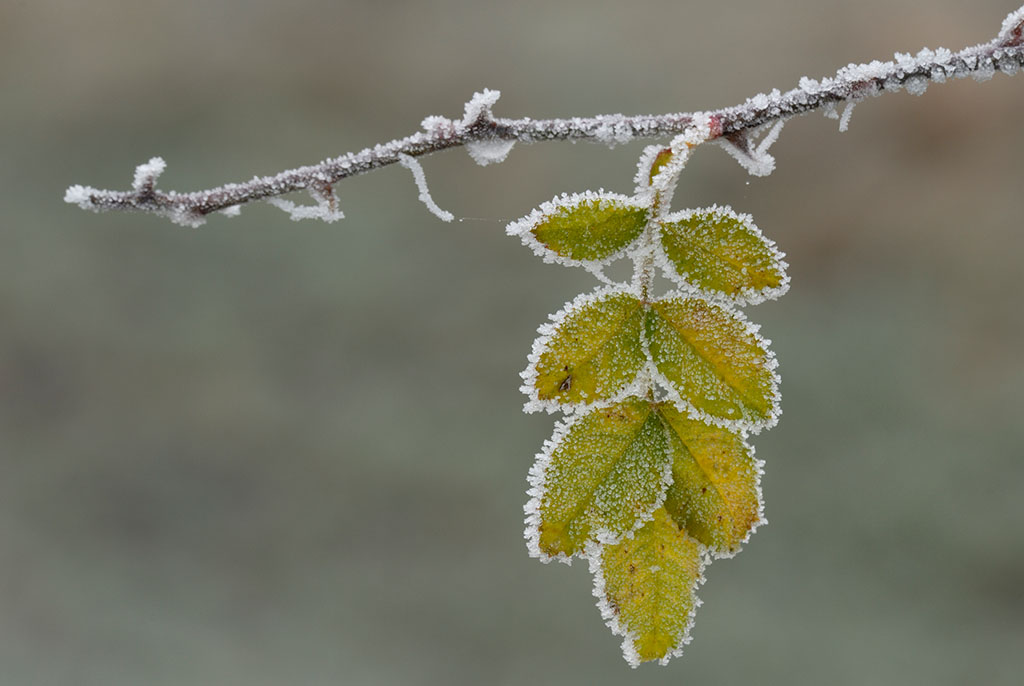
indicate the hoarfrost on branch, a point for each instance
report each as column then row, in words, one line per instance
column 488, row 139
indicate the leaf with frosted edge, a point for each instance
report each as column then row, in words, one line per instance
column 715, row 495
column 713, row 363
column 586, row 227
column 722, row 253
column 606, row 473
column 646, row 588
column 660, row 160
column 592, row 352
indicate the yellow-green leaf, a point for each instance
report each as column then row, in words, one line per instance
column 715, row 362
column 646, row 588
column 721, row 252
column 591, row 352
column 585, row 227
column 605, row 473
column 715, row 494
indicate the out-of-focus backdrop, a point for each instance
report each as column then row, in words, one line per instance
column 266, row 452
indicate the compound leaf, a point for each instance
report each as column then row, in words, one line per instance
column 722, row 253
column 586, row 227
column 715, row 495
column 646, row 588
column 606, row 472
column 714, row 362
column 592, row 351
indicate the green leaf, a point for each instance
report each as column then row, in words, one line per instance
column 715, row 495
column 721, row 252
column 585, row 227
column 606, row 472
column 592, row 351
column 646, row 586
column 715, row 362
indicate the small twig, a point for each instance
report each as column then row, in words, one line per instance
column 489, row 138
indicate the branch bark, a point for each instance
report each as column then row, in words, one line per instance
column 489, row 138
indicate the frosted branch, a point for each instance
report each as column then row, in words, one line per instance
column 489, row 139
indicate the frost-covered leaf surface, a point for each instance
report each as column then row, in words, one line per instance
column 715, row 495
column 602, row 476
column 646, row 588
column 722, row 253
column 585, row 227
column 713, row 362
column 591, row 351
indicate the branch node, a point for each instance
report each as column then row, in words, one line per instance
column 146, row 175
column 753, row 155
column 478, row 109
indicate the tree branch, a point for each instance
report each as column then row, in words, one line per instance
column 489, row 139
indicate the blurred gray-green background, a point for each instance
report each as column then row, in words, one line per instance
column 266, row 452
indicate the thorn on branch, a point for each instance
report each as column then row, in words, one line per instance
column 478, row 109
column 326, row 207
column 753, row 155
column 144, row 183
column 486, row 142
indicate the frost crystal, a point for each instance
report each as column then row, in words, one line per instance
column 300, row 212
column 147, row 174
column 844, row 121
column 1012, row 26
column 916, row 85
column 483, row 152
column 325, row 209
column 985, row 71
column 81, row 196
column 1008, row 65
column 613, row 130
column 755, row 160
column 436, row 125
column 414, row 166
column 480, row 106
column 489, row 151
